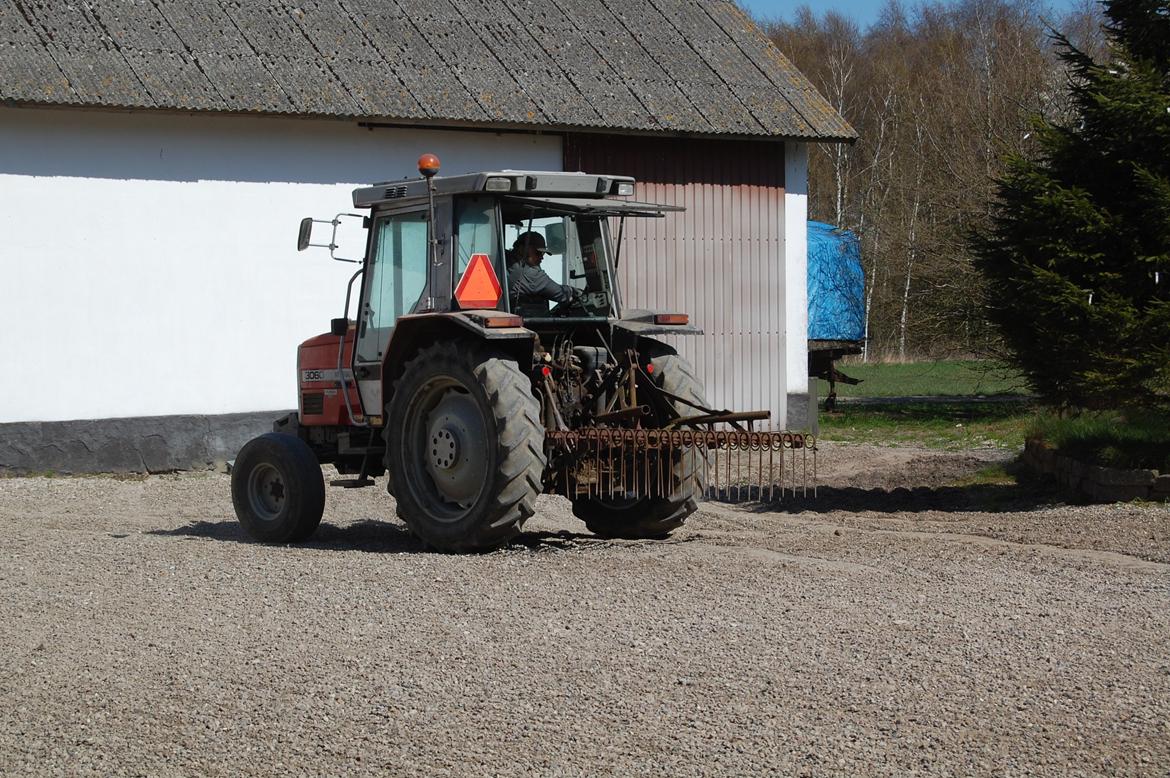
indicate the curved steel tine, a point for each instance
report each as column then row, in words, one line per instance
column 727, row 481
column 565, row 470
column 738, row 472
column 715, row 481
column 658, row 467
column 760, row 473
column 649, row 470
column 668, row 468
column 814, row 473
column 622, row 465
column 609, row 468
column 706, row 466
column 793, row 472
column 804, row 477
column 596, row 485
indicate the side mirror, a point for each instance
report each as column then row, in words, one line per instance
column 304, row 234
column 338, row 327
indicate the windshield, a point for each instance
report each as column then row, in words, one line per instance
column 569, row 273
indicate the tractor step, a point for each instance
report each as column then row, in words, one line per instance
column 352, row 483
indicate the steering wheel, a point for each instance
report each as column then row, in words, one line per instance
column 576, row 301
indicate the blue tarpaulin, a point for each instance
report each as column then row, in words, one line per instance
column 836, row 285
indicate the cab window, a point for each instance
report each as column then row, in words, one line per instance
column 396, row 279
column 576, row 256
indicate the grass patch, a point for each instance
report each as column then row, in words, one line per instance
column 1124, row 439
column 934, row 379
column 992, row 475
column 955, row 425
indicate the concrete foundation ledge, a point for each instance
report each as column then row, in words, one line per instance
column 1096, row 484
column 144, row 444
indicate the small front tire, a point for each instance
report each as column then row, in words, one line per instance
column 278, row 489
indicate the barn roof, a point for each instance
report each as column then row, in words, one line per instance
column 675, row 66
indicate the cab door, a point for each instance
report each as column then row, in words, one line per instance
column 394, row 285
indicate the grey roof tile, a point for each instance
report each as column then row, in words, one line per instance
column 62, row 23
column 780, row 72
column 670, row 107
column 269, row 28
column 332, row 32
column 375, row 91
column 136, row 24
column 535, row 73
column 688, row 66
column 29, row 70
column 243, row 85
column 13, row 27
column 174, row 80
column 204, row 27
column 100, row 76
column 310, row 85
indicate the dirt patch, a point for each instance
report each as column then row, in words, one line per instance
column 880, row 467
column 859, row 634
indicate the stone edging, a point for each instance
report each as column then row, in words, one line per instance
column 1098, row 484
column 144, row 444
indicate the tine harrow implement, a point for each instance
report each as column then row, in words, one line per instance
column 739, row 465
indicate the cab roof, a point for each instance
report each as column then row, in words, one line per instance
column 513, row 183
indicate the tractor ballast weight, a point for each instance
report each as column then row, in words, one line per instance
column 478, row 376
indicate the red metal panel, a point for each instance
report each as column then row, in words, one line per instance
column 722, row 261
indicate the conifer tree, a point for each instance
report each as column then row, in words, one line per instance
column 1078, row 255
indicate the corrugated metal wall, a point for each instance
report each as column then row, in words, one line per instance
column 722, row 261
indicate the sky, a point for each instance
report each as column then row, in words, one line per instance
column 864, row 12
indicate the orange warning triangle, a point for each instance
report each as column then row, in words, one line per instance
column 479, row 287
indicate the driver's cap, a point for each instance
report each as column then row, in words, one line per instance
column 531, row 238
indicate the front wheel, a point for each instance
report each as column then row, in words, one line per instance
column 465, row 448
column 278, row 490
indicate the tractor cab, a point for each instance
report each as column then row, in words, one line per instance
column 478, row 220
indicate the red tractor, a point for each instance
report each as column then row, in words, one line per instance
column 491, row 360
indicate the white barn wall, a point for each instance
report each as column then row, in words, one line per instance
column 149, row 263
column 795, row 295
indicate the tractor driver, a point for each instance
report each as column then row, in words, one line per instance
column 528, row 285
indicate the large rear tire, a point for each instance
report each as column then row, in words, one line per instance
column 465, row 448
column 278, row 490
column 657, row 515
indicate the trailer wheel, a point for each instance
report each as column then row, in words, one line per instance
column 277, row 489
column 465, row 448
column 657, row 515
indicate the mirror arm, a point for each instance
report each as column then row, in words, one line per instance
column 303, row 240
column 341, row 355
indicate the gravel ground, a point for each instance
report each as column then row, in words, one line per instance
column 899, row 624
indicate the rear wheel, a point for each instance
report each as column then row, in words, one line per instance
column 278, row 490
column 465, row 448
column 657, row 515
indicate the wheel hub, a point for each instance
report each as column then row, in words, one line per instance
column 455, row 455
column 266, row 491
column 445, row 447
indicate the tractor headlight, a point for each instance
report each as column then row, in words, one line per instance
column 623, row 188
column 498, row 185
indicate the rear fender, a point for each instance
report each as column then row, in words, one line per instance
column 641, row 323
column 417, row 331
